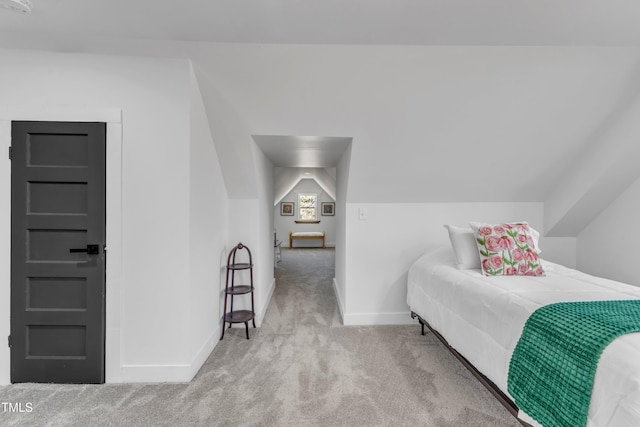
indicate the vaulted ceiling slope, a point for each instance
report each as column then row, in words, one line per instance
column 476, row 100
column 434, row 123
column 599, row 174
column 287, row 178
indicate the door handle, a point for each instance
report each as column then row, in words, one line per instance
column 90, row 250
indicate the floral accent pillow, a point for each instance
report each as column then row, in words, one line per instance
column 507, row 249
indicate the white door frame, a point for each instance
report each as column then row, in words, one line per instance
column 113, row 118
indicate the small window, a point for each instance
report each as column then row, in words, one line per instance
column 307, row 204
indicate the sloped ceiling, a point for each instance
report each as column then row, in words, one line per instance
column 435, row 123
column 475, row 100
column 287, row 178
column 604, row 169
column 303, row 157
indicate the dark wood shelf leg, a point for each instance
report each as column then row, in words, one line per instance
column 246, row 327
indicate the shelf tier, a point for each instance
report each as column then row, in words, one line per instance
column 239, row 266
column 239, row 290
column 239, row 316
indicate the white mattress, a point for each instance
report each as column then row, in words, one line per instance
column 483, row 317
column 307, row 233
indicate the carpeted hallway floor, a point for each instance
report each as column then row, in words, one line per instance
column 300, row 368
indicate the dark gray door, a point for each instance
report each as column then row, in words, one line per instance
column 57, row 252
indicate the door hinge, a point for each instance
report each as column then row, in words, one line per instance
column 9, row 339
column 10, row 153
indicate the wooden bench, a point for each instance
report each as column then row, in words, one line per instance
column 305, row 235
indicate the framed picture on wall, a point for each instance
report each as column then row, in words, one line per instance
column 328, row 208
column 286, row 208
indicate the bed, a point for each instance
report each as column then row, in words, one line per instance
column 306, row 235
column 481, row 318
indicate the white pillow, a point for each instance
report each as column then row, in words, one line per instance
column 463, row 242
column 534, row 233
column 536, row 238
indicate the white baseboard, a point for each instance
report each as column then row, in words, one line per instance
column 352, row 319
column 179, row 373
column 204, row 352
column 155, row 373
column 402, row 318
column 262, row 311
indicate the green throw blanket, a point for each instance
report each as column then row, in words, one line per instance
column 554, row 363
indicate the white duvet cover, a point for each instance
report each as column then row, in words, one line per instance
column 483, row 317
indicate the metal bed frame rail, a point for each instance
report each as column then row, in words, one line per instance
column 486, row 382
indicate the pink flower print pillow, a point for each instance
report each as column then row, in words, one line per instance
column 507, row 249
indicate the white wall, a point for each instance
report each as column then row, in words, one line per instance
column 243, row 228
column 342, row 180
column 251, row 223
column 608, row 247
column 208, row 233
column 232, row 138
column 264, row 249
column 285, row 224
column 148, row 336
column 381, row 249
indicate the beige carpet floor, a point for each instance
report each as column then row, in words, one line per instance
column 300, row 368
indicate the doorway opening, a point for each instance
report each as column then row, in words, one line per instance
column 112, row 117
column 327, row 161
